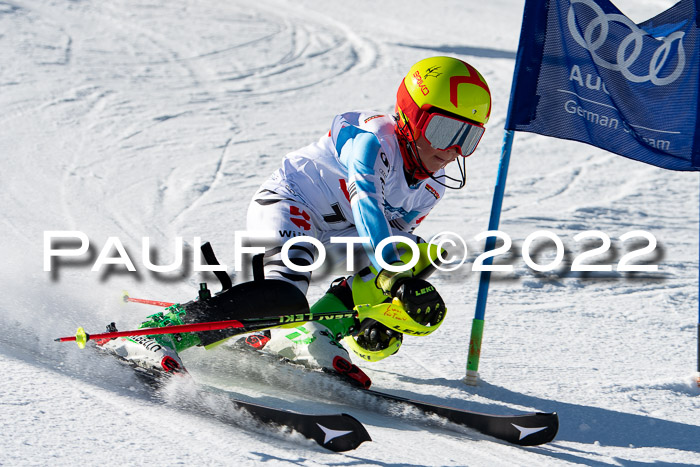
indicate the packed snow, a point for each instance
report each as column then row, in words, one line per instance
column 132, row 119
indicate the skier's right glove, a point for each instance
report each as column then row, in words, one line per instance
column 374, row 336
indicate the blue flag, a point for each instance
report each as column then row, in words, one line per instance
column 586, row 72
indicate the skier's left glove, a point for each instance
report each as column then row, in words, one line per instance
column 419, row 298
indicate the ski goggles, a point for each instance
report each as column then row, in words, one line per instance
column 445, row 132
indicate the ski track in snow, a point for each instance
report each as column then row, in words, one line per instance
column 160, row 119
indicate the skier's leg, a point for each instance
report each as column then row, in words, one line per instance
column 317, row 344
column 143, row 351
column 286, row 219
column 311, row 344
column 159, row 352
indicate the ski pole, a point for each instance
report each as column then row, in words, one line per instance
column 390, row 314
column 81, row 337
column 245, row 325
column 128, row 299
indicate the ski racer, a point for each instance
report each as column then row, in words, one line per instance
column 374, row 176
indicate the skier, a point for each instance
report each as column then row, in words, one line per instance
column 374, row 176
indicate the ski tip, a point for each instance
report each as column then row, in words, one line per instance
column 345, row 438
column 543, row 431
column 81, row 337
column 125, row 296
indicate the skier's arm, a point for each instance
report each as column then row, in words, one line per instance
column 410, row 221
column 362, row 154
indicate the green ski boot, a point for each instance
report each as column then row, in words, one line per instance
column 173, row 316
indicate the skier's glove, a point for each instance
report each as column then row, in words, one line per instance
column 375, row 336
column 419, row 298
column 389, row 280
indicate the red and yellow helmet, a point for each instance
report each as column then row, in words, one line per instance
column 447, row 101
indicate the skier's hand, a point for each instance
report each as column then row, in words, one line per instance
column 387, row 280
column 420, row 300
column 375, row 336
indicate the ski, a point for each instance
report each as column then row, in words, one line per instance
column 335, row 432
column 530, row 429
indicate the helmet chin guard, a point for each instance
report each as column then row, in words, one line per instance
column 373, row 355
column 393, row 316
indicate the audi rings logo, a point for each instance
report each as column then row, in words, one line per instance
column 596, row 34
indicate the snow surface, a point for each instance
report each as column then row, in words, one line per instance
column 158, row 119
